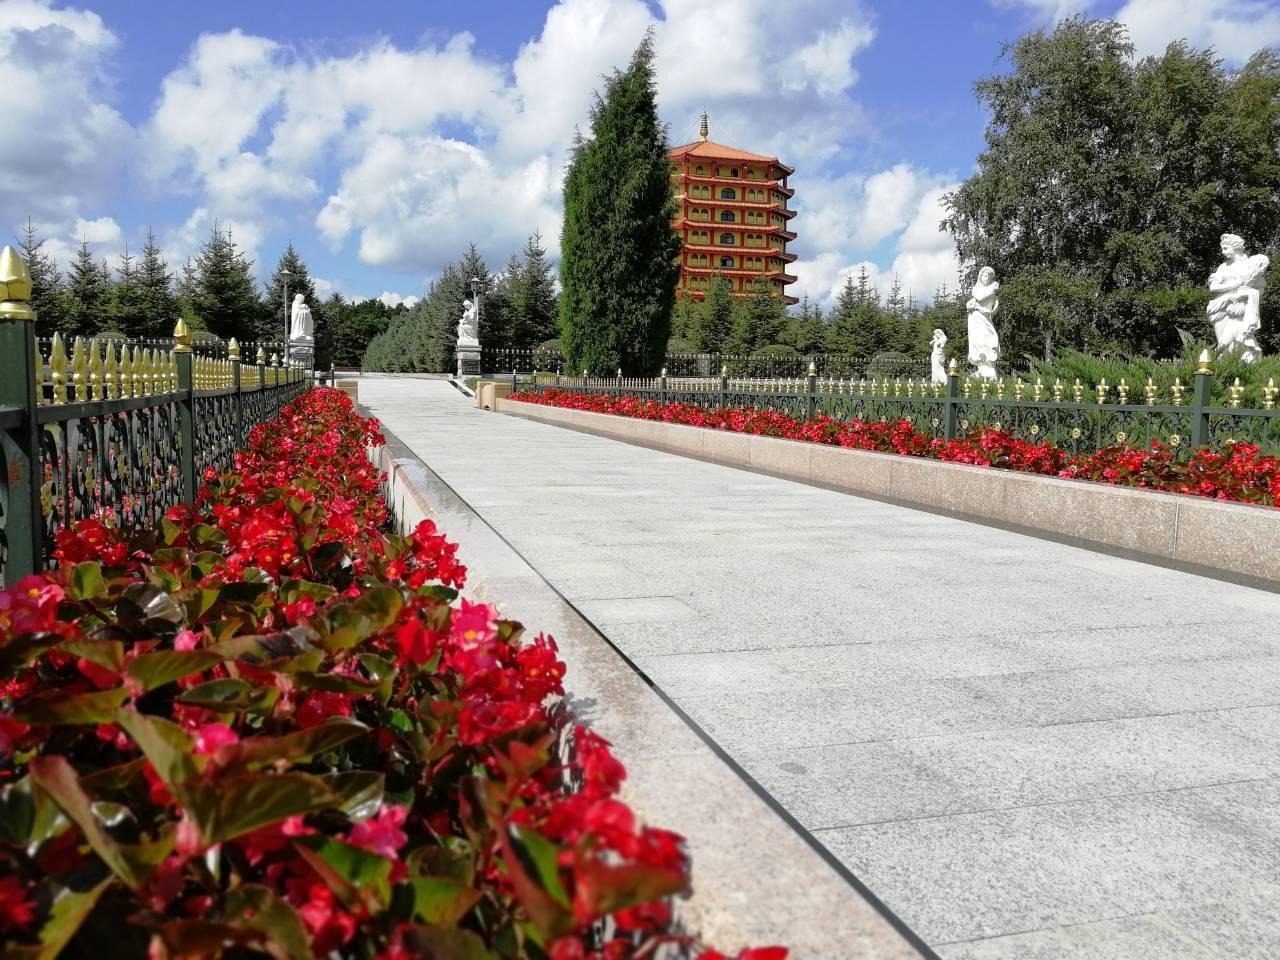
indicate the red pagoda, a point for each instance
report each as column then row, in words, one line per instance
column 733, row 218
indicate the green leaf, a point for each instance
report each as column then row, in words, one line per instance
column 381, row 604
column 156, row 669
column 81, row 708
column 361, row 791
column 383, row 672
column 170, row 531
column 17, row 812
column 355, row 876
column 256, row 907
column 111, row 779
column 105, row 653
column 231, row 695
column 444, row 943
column 602, row 889
column 132, row 864
column 164, row 743
column 237, row 805
column 17, row 652
column 86, row 581
column 441, row 900
column 255, row 752
column 335, row 683
column 203, row 535
column 69, row 910
column 145, row 605
column 543, row 856
column 549, row 913
column 241, row 592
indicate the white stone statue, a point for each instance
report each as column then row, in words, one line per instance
column 939, row 358
column 469, row 325
column 1237, row 286
column 300, row 323
column 984, row 342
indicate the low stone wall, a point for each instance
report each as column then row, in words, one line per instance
column 757, row 880
column 1240, row 540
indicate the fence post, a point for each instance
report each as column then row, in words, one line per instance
column 233, row 354
column 812, row 387
column 949, row 405
column 724, row 385
column 186, row 409
column 1202, row 401
column 18, row 386
column 662, row 385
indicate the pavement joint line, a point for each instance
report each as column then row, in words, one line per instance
column 982, row 731
column 1056, row 926
column 952, row 637
column 1042, row 804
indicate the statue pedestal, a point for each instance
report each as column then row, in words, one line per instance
column 302, row 353
column 468, row 354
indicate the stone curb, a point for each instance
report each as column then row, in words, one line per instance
column 1234, row 540
column 758, row 877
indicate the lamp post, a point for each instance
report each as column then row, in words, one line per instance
column 286, row 275
column 477, row 288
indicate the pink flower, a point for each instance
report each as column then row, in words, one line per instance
column 186, row 641
column 381, row 834
column 211, row 736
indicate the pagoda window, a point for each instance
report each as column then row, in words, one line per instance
column 726, row 239
column 726, row 262
column 728, row 193
column 733, row 171
column 728, row 216
column 698, row 170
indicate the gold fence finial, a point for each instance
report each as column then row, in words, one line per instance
column 1206, row 362
column 15, row 286
column 953, row 368
column 813, row 369
column 262, row 355
column 181, row 337
column 233, row 349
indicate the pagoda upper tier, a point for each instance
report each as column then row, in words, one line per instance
column 733, row 218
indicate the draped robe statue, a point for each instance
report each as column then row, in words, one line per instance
column 938, row 358
column 1237, row 286
column 300, row 323
column 984, row 342
column 468, row 326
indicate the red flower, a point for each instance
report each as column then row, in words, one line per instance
column 16, row 909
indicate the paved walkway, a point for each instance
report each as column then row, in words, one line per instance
column 1025, row 749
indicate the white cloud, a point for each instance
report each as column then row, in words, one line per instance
column 64, row 143
column 1234, row 28
column 103, row 230
column 826, row 64
column 395, row 300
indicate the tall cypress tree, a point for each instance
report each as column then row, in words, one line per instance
column 533, row 301
column 46, row 283
column 618, row 264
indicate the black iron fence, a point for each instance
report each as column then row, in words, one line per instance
column 1074, row 417
column 111, row 428
column 769, row 365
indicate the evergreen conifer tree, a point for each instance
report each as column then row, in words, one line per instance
column 155, row 283
column 534, row 310
column 226, row 297
column 126, row 312
column 715, row 321
column 273, row 323
column 88, row 294
column 47, row 297
column 618, row 265
column 758, row 322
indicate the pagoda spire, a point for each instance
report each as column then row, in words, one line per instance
column 702, row 129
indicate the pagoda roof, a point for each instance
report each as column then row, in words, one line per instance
column 718, row 151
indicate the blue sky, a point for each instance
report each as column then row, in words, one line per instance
column 381, row 137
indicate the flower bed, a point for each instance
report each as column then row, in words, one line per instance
column 1240, row 472
column 269, row 728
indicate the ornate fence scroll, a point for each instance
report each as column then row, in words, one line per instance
column 1075, row 417
column 112, row 429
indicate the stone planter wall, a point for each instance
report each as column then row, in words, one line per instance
column 1239, row 540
